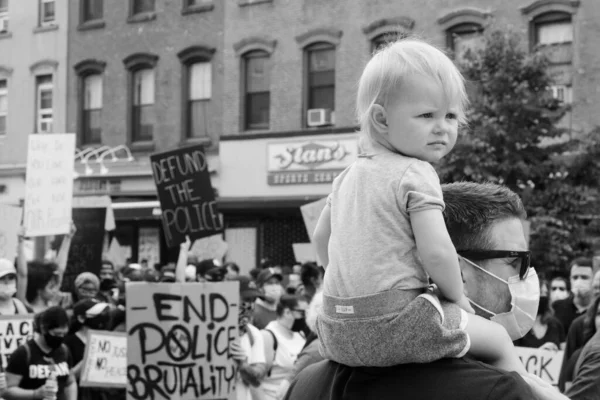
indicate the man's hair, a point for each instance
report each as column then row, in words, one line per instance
column 52, row 318
column 581, row 262
column 39, row 274
column 310, row 271
column 287, row 301
column 473, row 208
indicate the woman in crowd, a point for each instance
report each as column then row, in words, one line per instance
column 86, row 286
column 283, row 342
column 311, row 276
column 87, row 314
column 547, row 332
column 33, row 366
column 10, row 305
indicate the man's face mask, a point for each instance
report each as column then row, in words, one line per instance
column 525, row 297
column 273, row 291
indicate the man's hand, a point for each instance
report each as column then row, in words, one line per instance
column 465, row 305
column 187, row 244
column 237, row 352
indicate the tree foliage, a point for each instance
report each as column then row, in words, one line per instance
column 514, row 138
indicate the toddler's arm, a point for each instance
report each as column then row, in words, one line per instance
column 321, row 236
column 437, row 252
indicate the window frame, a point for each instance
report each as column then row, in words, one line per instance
column 316, row 46
column 42, row 14
column 188, row 57
column 462, row 28
column 134, row 13
column 39, row 111
column 548, row 18
column 85, row 9
column 4, row 114
column 4, row 16
column 84, row 69
column 86, row 133
column 133, row 64
column 247, row 125
column 207, row 101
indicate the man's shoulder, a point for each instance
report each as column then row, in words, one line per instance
column 443, row 379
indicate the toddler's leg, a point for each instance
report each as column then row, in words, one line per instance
column 490, row 343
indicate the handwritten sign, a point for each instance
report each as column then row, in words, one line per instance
column 543, row 363
column 10, row 221
column 85, row 253
column 311, row 213
column 49, row 184
column 15, row 330
column 186, row 194
column 178, row 340
column 105, row 360
column 213, row 247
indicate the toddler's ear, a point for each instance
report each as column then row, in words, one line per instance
column 378, row 118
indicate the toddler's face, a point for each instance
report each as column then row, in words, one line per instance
column 421, row 123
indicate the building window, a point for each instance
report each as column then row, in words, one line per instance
column 47, row 12
column 142, row 6
column 257, row 94
column 198, row 102
column 92, row 109
column 44, row 110
column 143, row 117
column 385, row 38
column 3, row 106
column 92, row 10
column 197, row 3
column 464, row 37
column 321, row 76
column 3, row 16
column 553, row 28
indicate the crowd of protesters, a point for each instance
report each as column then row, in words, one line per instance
column 277, row 314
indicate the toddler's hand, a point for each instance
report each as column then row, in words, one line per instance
column 465, row 305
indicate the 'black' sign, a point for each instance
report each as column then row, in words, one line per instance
column 186, row 195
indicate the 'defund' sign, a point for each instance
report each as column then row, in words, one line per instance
column 178, row 340
column 186, row 195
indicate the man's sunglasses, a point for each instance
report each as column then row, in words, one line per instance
column 480, row 255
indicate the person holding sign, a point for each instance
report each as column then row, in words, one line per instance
column 33, row 363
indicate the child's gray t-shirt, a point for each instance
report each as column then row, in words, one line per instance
column 372, row 247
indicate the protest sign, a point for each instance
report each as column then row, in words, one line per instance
column 543, row 363
column 49, row 184
column 98, row 202
column 186, row 195
column 10, row 223
column 178, row 340
column 304, row 252
column 15, row 330
column 85, row 253
column 213, row 247
column 311, row 213
column 149, row 245
column 105, row 360
column 116, row 254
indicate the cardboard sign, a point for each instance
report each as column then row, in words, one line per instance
column 186, row 194
column 15, row 330
column 85, row 253
column 49, row 184
column 149, row 245
column 10, row 222
column 178, row 340
column 105, row 360
column 98, row 202
column 311, row 213
column 213, row 247
column 543, row 363
column 304, row 252
column 116, row 254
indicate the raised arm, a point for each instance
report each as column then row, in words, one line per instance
column 21, row 268
column 63, row 254
column 321, row 236
column 182, row 260
column 437, row 252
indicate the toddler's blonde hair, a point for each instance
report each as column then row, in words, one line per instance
column 383, row 75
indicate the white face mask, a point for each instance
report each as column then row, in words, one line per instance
column 8, row 290
column 581, row 287
column 273, row 291
column 525, row 298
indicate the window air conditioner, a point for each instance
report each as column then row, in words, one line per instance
column 320, row 117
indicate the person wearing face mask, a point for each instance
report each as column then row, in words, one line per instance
column 10, row 305
column 576, row 304
column 265, row 311
column 547, row 332
column 87, row 314
column 559, row 289
column 29, row 366
column 248, row 350
column 283, row 340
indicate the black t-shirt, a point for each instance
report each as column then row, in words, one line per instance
column 447, row 379
column 565, row 311
column 76, row 347
column 35, row 367
column 554, row 334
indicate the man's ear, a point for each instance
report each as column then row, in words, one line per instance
column 378, row 119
